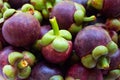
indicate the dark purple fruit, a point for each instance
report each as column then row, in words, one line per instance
column 77, row 71
column 90, row 37
column 21, row 29
column 17, row 3
column 44, row 71
column 108, row 8
column 95, row 74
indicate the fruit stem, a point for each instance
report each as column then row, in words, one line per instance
column 22, row 64
column 49, row 6
column 55, row 26
column 91, row 18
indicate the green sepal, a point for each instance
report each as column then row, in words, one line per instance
column 112, row 47
column 24, row 73
column 99, row 51
column 38, row 4
column 75, row 28
column 88, row 61
column 113, row 74
column 79, row 16
column 80, row 7
column 103, row 63
column 60, row 44
column 38, row 15
column 9, row 71
column 47, row 39
column 56, row 77
column 65, row 34
column 97, row 4
column 27, row 7
column 13, row 57
column 8, row 13
column 29, row 57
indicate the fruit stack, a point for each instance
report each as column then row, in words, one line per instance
column 59, row 40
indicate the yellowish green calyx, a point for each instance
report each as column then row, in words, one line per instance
column 97, row 4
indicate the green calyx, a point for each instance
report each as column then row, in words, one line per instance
column 112, row 47
column 38, row 15
column 75, row 28
column 99, row 51
column 28, row 8
column 38, row 4
column 103, row 62
column 57, row 38
column 14, row 56
column 22, row 63
column 29, row 57
column 24, row 73
column 88, row 61
column 56, row 77
column 8, row 13
column 80, row 15
column 97, row 4
column 9, row 71
column 5, row 7
column 113, row 75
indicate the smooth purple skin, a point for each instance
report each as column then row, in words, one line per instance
column 44, row 29
column 43, row 71
column 95, row 74
column 64, row 12
column 115, row 60
column 4, row 56
column 22, row 29
column 88, row 38
column 77, row 71
column 111, row 8
column 17, row 3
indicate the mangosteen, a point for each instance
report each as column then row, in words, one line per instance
column 93, row 44
column 21, row 29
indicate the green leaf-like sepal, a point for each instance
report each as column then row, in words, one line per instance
column 9, row 71
column 47, row 39
column 8, row 13
column 65, row 34
column 79, row 16
column 60, row 44
column 99, row 51
column 14, row 56
column 24, row 73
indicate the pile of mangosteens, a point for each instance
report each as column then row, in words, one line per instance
column 59, row 40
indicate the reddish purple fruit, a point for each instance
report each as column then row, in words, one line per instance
column 21, row 29
column 4, row 56
column 77, row 71
column 95, row 74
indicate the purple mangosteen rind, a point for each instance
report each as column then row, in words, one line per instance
column 57, row 38
column 95, row 49
column 64, row 12
column 18, row 24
